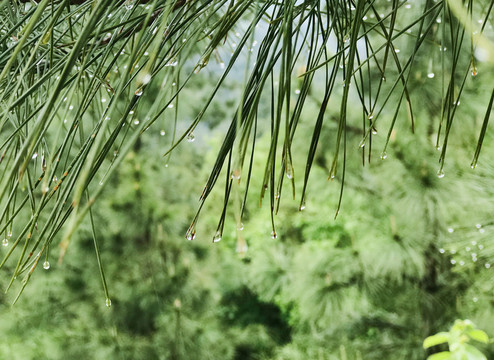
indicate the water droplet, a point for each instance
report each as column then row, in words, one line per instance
column 481, row 231
column 374, row 131
column 384, row 155
column 240, row 226
column 480, row 246
column 273, row 234
column 190, row 137
column 172, row 63
column 297, row 91
column 450, row 230
column 474, row 72
column 108, row 302
column 440, row 173
column 362, row 143
column 461, row 263
column 55, row 179
column 487, row 266
column 474, row 242
column 467, row 248
column 5, row 242
column 138, row 92
column 442, row 251
column 431, row 75
column 136, row 122
column 191, row 234
column 277, row 195
column 302, row 207
column 475, row 299
column 289, row 171
column 478, row 226
column 452, row 251
column 453, row 261
column 46, row 265
column 217, row 237
column 162, row 132
column 35, row 155
column 103, row 100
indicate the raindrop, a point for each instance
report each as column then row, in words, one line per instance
column 108, row 302
column 190, row 137
column 431, row 75
column 481, row 231
column 301, row 207
column 5, row 242
column 374, row 131
column 35, row 155
column 478, row 226
column 487, row 266
column 474, row 242
column 277, row 195
column 384, row 155
column 162, row 132
column 172, row 63
column 103, row 100
column 440, row 173
column 55, row 179
column 138, row 92
column 467, row 248
column 297, row 91
column 217, row 237
column 191, row 234
column 273, row 234
column 289, row 171
column 136, row 122
column 474, row 71
column 453, row 261
column 46, row 265
column 480, row 246
column 461, row 263
column 240, row 226
column 170, row 106
column 450, row 230
column 475, row 299
column 442, row 251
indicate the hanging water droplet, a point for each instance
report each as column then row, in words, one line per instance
column 431, row 75
column 474, row 71
column 108, row 302
column 442, row 251
column 289, row 171
column 138, row 92
column 374, row 131
column 46, row 265
column 191, row 234
column 453, row 261
column 384, row 155
column 273, row 234
column 277, row 195
column 362, row 143
column 5, row 242
column 301, row 207
column 217, row 237
column 190, row 137
column 162, row 132
column 240, row 226
column 487, row 266
column 440, row 173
